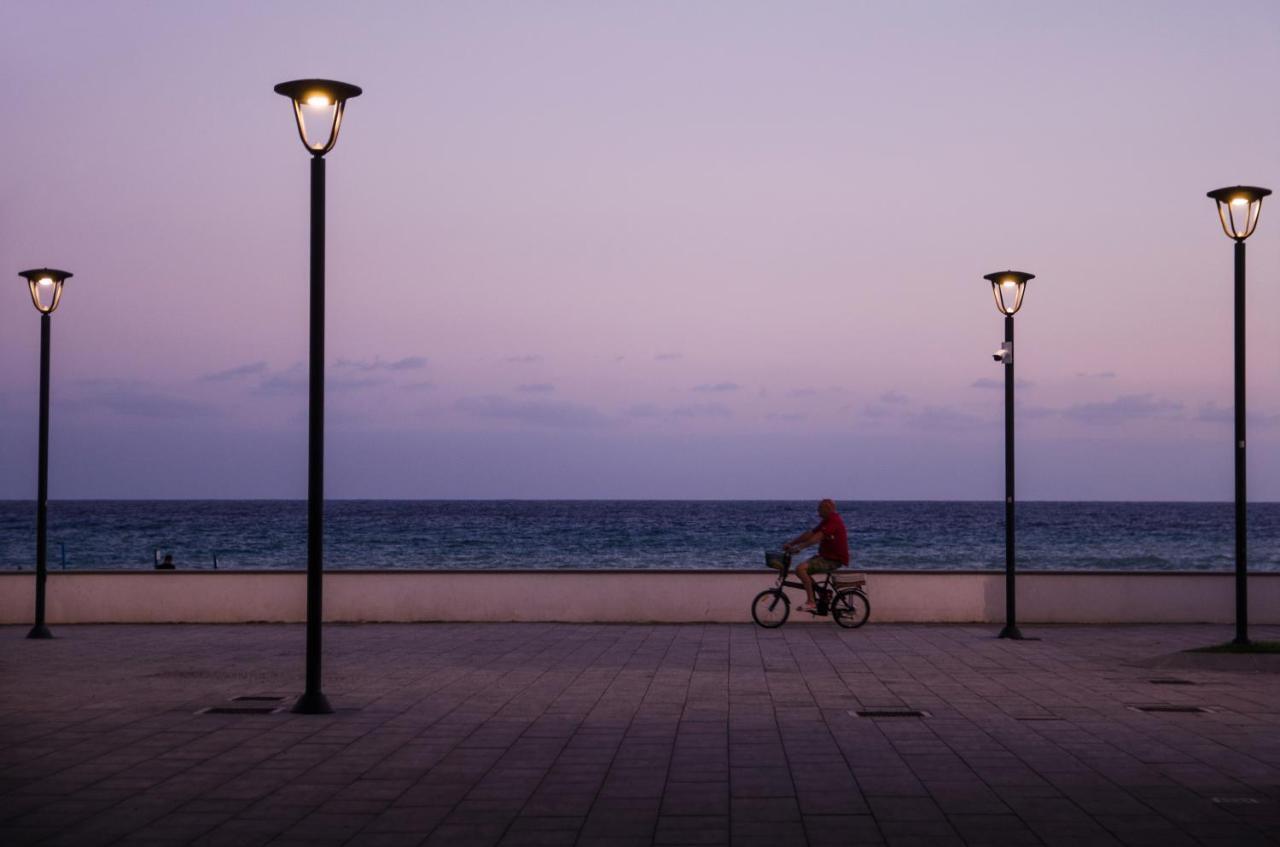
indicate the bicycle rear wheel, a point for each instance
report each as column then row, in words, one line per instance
column 851, row 608
column 771, row 608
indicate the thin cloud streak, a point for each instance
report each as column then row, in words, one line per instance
column 652, row 411
column 137, row 399
column 251, row 369
column 536, row 413
column 408, row 363
column 1213, row 413
column 296, row 381
column 944, row 419
column 1125, row 408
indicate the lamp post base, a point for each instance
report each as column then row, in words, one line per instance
column 312, row 703
column 39, row 631
column 1011, row 632
column 1241, row 641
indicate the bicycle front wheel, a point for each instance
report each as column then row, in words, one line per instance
column 851, row 608
column 771, row 608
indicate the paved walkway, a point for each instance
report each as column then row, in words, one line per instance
column 549, row 734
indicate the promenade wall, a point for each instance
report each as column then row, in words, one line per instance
column 621, row 596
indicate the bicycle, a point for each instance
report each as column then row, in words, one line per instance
column 843, row 596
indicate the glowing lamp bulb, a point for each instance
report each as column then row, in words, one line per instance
column 1008, row 283
column 44, row 281
column 318, row 105
column 1239, row 201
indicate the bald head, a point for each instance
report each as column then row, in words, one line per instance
column 826, row 507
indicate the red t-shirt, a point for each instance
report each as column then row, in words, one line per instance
column 835, row 539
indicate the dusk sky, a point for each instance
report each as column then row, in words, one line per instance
column 633, row 250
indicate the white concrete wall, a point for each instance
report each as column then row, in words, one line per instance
column 620, row 596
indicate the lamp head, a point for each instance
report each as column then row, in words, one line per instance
column 1008, row 288
column 318, row 105
column 1238, row 208
column 45, row 285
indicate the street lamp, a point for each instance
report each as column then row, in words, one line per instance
column 45, row 285
column 1008, row 288
column 1238, row 209
column 318, row 105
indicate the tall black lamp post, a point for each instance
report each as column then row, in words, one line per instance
column 45, row 285
column 1238, row 208
column 1008, row 287
column 318, row 105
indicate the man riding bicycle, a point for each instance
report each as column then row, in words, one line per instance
column 833, row 549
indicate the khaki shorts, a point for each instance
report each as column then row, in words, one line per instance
column 817, row 564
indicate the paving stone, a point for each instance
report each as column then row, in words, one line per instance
column 539, row 838
column 842, row 830
column 761, row 782
column 408, row 819
column 748, row 810
column 906, row 809
column 384, row 839
column 692, row 829
column 466, row 835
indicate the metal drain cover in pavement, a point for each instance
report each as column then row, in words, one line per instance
column 1161, row 707
column 889, row 713
column 1170, row 681
column 240, row 710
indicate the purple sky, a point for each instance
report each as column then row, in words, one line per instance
column 723, row 250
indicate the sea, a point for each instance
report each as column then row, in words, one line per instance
column 653, row 534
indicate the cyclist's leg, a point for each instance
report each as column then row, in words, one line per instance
column 817, row 566
column 803, row 573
